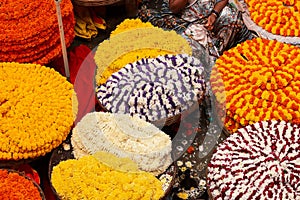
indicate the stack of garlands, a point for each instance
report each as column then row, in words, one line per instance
column 277, row 17
column 37, row 110
column 29, row 30
column 15, row 186
column 133, row 40
column 258, row 80
column 104, row 176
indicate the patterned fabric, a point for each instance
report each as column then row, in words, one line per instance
column 229, row 28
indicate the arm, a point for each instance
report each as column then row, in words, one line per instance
column 213, row 17
column 177, row 5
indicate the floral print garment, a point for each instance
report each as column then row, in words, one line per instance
column 229, row 28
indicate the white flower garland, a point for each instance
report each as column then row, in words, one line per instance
column 123, row 136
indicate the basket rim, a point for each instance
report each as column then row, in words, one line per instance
column 95, row 2
column 22, row 174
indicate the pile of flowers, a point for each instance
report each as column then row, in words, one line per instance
column 258, row 80
column 15, row 186
column 277, row 17
column 133, row 40
column 130, row 24
column 90, row 178
column 37, row 110
column 259, row 161
column 154, row 88
column 29, row 30
column 123, row 136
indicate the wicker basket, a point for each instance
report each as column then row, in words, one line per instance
column 95, row 2
column 159, row 123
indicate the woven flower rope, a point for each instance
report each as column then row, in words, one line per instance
column 133, row 40
column 92, row 177
column 15, row 185
column 155, row 88
column 29, row 30
column 277, row 17
column 259, row 161
column 37, row 109
column 272, row 19
column 258, row 80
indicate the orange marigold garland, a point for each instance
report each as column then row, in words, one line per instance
column 37, row 110
column 15, row 186
column 277, row 17
column 29, row 30
column 261, row 81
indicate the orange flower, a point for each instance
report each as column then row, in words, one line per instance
column 29, row 30
column 257, row 91
column 277, row 17
column 15, row 186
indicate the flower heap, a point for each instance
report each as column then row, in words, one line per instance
column 29, row 30
column 90, row 178
column 155, row 88
column 36, row 110
column 133, row 40
column 15, row 186
column 258, row 80
column 130, row 24
column 123, row 136
column 277, row 17
column 259, row 161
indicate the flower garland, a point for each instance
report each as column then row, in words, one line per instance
column 259, row 161
column 143, row 41
column 37, row 109
column 15, row 186
column 258, row 80
column 277, row 17
column 89, row 178
column 155, row 88
column 129, row 24
column 123, row 136
column 30, row 31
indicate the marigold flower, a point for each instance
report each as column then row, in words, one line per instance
column 89, row 178
column 277, row 17
column 35, row 117
column 15, row 186
column 29, row 30
column 144, row 41
column 270, row 91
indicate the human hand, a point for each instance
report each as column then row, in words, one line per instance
column 210, row 22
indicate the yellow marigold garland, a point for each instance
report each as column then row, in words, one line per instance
column 88, row 178
column 139, row 40
column 258, row 80
column 36, row 110
column 129, row 24
column 277, row 17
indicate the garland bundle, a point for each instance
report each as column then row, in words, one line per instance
column 258, row 80
column 154, row 88
column 259, row 161
column 123, row 136
column 277, row 17
column 37, row 110
column 133, row 40
column 29, row 30
column 90, row 178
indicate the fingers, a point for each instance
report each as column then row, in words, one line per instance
column 208, row 26
column 210, row 23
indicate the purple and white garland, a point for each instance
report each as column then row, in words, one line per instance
column 154, row 88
